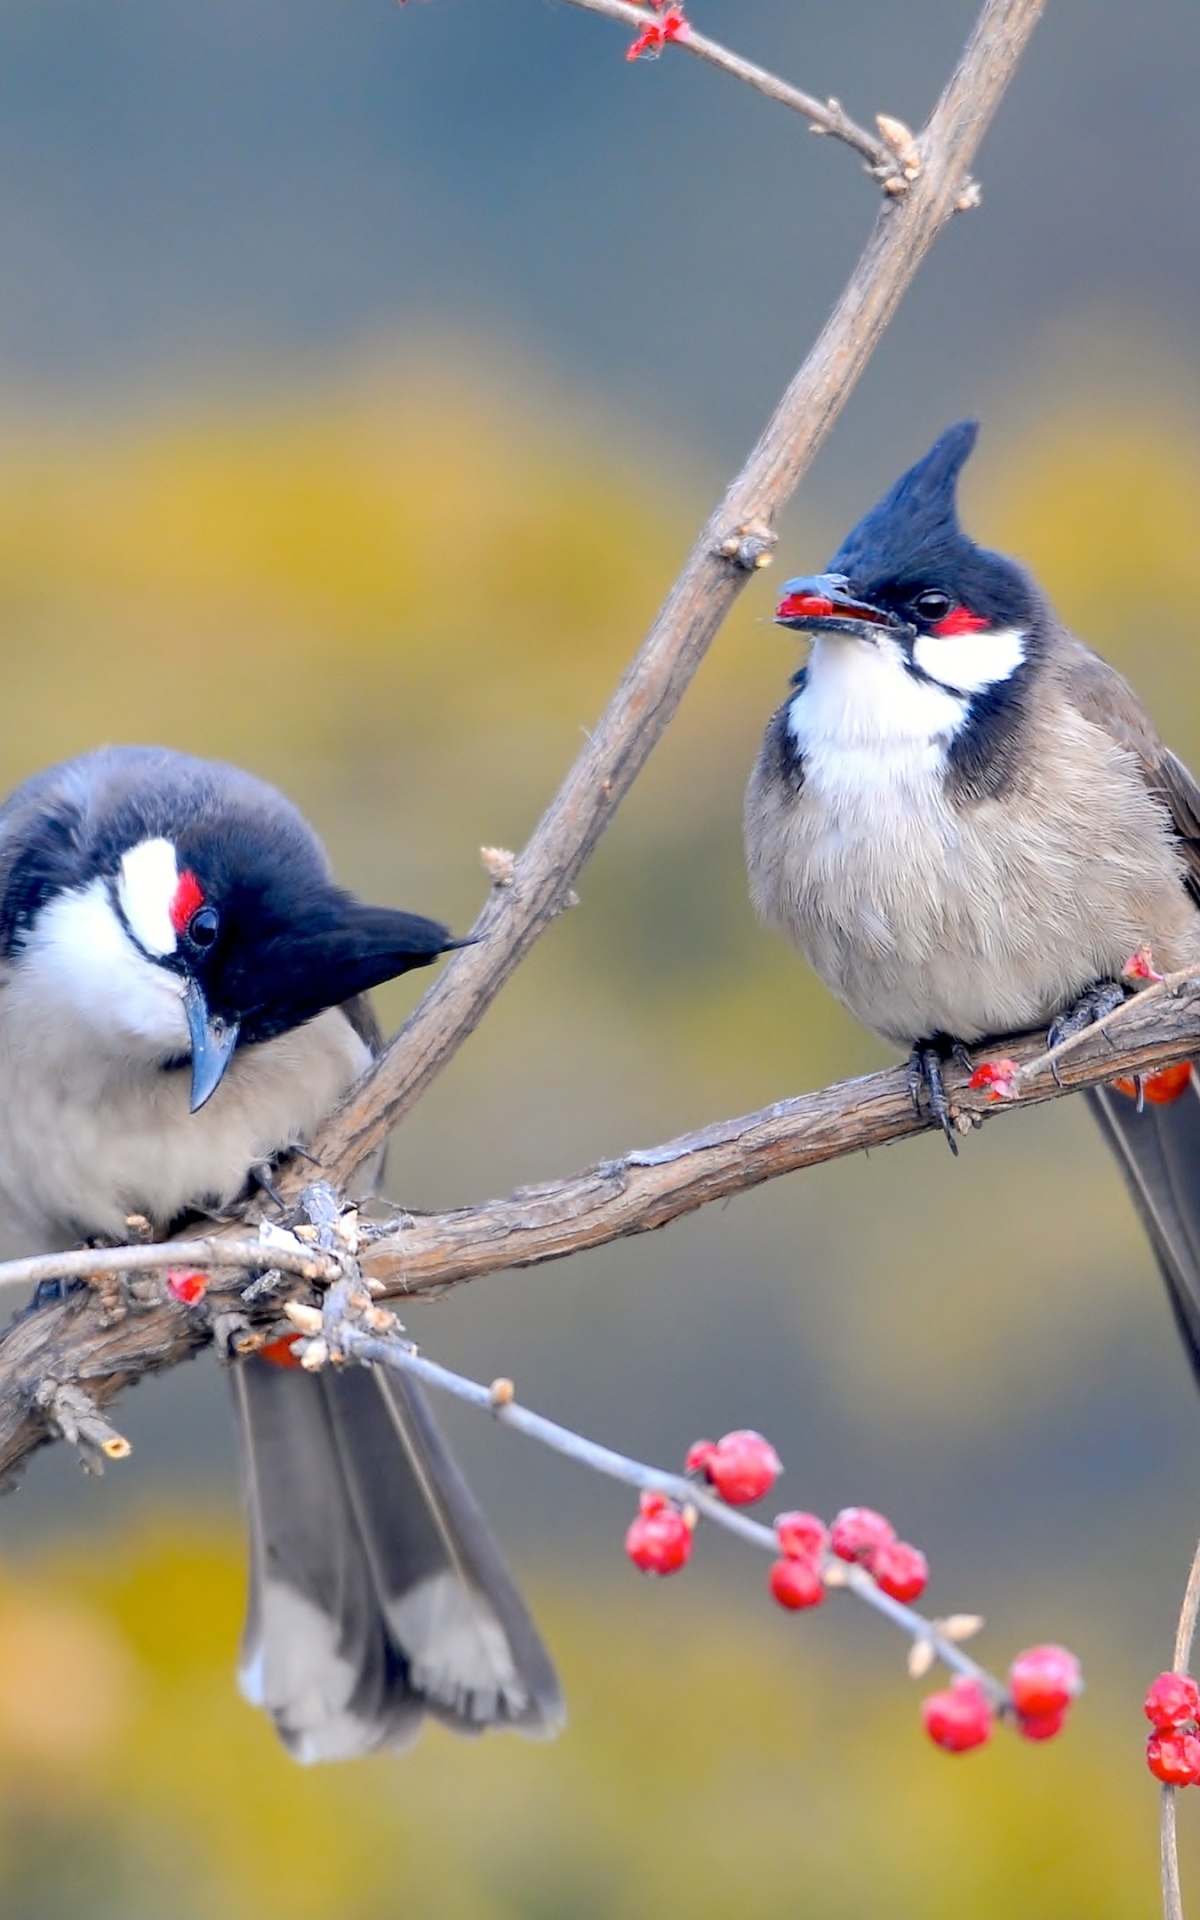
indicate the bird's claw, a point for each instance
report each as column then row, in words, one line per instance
column 925, row 1064
column 1099, row 1001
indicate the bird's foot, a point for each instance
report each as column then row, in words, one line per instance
column 925, row 1064
column 1102, row 999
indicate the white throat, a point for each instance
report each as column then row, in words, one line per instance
column 861, row 717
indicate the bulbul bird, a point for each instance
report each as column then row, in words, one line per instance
column 965, row 820
column 181, row 989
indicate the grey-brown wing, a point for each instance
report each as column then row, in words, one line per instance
column 1104, row 697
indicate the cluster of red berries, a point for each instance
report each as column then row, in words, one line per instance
column 1172, row 1707
column 742, row 1467
column 1042, row 1682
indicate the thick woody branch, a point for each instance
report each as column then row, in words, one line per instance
column 823, row 116
column 106, row 1344
column 738, row 538
column 647, row 1189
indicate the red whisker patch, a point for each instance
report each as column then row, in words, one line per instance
column 961, row 620
column 188, row 895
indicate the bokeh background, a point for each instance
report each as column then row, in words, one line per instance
column 364, row 374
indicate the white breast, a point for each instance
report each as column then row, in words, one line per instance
column 88, row 1136
column 926, row 915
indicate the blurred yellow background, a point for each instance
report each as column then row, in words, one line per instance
column 402, row 597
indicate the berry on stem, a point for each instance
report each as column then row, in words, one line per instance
column 801, row 1536
column 1043, row 1680
column 1041, row 1726
column 796, row 1583
column 1174, row 1758
column 660, row 1540
column 858, row 1532
column 900, row 1570
column 742, row 1466
column 959, row 1718
column 1172, row 1701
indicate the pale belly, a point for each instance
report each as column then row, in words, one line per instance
column 927, row 919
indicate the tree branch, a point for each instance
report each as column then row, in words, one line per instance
column 647, row 1189
column 823, row 116
column 737, row 539
column 89, row 1338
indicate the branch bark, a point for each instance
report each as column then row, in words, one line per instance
column 737, row 538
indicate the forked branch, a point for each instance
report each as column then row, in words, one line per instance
column 738, row 538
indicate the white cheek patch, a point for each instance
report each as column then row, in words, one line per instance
column 146, row 888
column 970, row 662
column 79, row 965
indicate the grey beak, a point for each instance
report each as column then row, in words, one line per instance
column 213, row 1041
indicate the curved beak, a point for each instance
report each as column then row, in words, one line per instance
column 823, row 603
column 213, row 1041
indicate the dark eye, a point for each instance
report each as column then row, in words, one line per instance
column 203, row 926
column 932, row 604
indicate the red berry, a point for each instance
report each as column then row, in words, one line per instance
column 660, row 1539
column 801, row 1536
column 857, row 1532
column 1173, row 1700
column 1174, row 1758
column 960, row 1718
column 185, row 1286
column 698, row 1456
column 1041, row 1726
column 900, row 1570
column 1043, row 1679
column 796, row 1583
column 742, row 1466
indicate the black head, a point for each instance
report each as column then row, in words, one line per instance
column 187, row 899
column 908, row 567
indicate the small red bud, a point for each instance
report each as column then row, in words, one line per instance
column 1041, row 1726
column 900, row 1570
column 796, row 1583
column 858, row 1531
column 660, row 1539
column 1174, row 1758
column 960, row 1718
column 742, row 1466
column 185, row 1286
column 1044, row 1680
column 801, row 1536
column 996, row 1078
column 1172, row 1701
column 698, row 1456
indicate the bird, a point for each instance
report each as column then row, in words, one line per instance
column 965, row 820
column 181, row 1002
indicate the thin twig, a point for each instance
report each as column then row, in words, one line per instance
column 737, row 538
column 824, row 116
column 252, row 1256
column 1185, row 1634
column 342, row 1335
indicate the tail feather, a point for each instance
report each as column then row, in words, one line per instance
column 1158, row 1150
column 377, row 1593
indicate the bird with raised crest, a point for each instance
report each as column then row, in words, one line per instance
column 181, row 1001
column 965, row 820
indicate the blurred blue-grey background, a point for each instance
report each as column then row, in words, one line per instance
column 364, row 373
